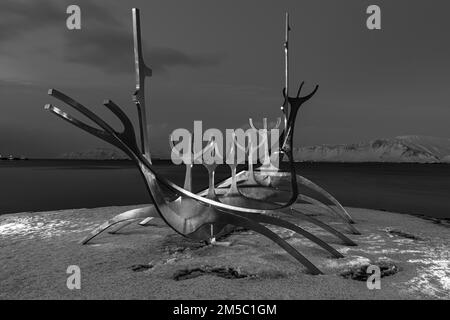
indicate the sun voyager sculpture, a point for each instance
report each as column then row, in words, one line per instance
column 252, row 198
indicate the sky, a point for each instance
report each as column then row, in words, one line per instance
column 222, row 62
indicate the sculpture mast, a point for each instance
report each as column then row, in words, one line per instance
column 285, row 107
column 286, row 55
column 141, row 71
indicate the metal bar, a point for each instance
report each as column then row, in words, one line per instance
column 285, row 106
column 286, row 55
column 141, row 71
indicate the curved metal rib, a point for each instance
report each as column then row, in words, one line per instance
column 274, row 193
column 263, row 194
column 330, row 209
column 128, row 217
column 187, row 160
column 287, row 225
column 249, row 224
column 311, row 185
column 152, row 213
column 347, row 241
column 310, row 200
column 243, row 201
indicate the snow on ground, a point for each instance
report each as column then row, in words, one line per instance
column 153, row 262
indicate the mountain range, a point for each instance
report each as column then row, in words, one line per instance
column 412, row 148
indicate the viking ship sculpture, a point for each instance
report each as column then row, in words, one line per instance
column 250, row 199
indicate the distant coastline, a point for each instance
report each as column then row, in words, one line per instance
column 13, row 158
column 169, row 161
column 403, row 149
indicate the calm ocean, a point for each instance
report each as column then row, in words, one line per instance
column 41, row 185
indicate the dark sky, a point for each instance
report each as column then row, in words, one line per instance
column 222, row 62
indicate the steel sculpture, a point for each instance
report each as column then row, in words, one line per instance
column 188, row 214
column 247, row 199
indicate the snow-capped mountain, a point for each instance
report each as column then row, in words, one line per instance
column 412, row 148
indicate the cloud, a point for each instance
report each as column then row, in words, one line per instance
column 104, row 42
column 164, row 58
column 109, row 46
column 18, row 17
column 8, row 83
column 111, row 50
